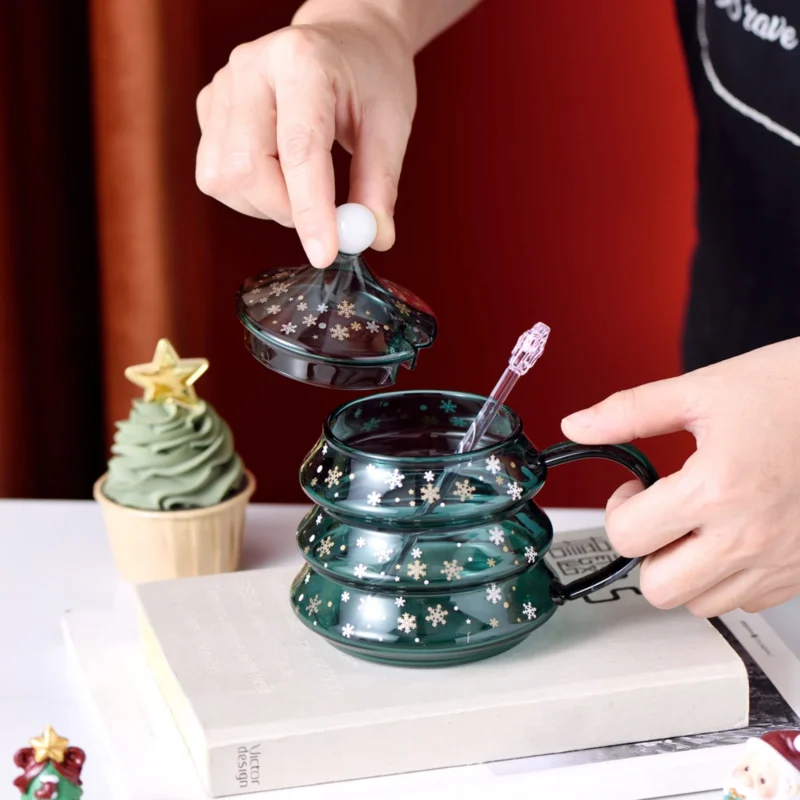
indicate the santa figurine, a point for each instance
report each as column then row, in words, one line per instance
column 769, row 769
column 51, row 770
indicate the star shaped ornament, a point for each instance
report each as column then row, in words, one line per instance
column 49, row 746
column 168, row 378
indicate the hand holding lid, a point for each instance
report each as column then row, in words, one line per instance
column 340, row 327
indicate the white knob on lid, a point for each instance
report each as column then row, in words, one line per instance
column 357, row 228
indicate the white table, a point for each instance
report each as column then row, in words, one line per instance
column 57, row 558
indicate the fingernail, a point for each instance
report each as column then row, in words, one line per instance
column 315, row 252
column 580, row 419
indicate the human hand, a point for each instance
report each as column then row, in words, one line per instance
column 722, row 532
column 270, row 117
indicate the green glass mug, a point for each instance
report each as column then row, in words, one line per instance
column 418, row 556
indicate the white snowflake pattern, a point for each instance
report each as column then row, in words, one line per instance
column 314, row 604
column 416, row 553
column 493, row 622
column 429, row 476
column 314, row 481
column 531, row 554
column 278, row 289
column 307, row 578
column 348, row 630
column 302, row 306
column 383, row 555
column 319, row 519
column 360, row 571
column 515, row 490
column 399, row 601
column 493, row 465
column 407, row 623
column 417, row 570
column 528, row 610
column 346, row 309
column 373, row 498
column 361, row 541
column 340, row 333
column 463, row 490
column 373, row 327
column 334, row 474
column 345, row 597
column 309, row 320
column 325, row 449
column 325, row 547
column 356, row 326
column 322, row 308
column 395, row 479
column 452, row 570
column 273, row 309
column 288, row 327
column 497, row 535
column 493, row 594
column 430, row 493
column 436, row 616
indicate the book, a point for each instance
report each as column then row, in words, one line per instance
column 261, row 702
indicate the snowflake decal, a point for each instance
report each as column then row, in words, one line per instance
column 490, row 562
column 345, row 597
column 322, row 308
column 416, row 552
column 493, row 464
column 436, row 616
column 360, row 571
column 361, row 541
column 314, row 481
column 515, row 490
column 325, row 449
column 273, row 309
column 395, row 479
column 370, row 425
column 309, row 320
column 356, row 326
column 403, row 309
column 319, row 519
column 417, row 570
column 529, row 611
column 373, row 498
column 497, row 535
column 530, row 554
column 346, row 309
column 288, row 328
column 493, row 622
column 383, row 555
column 333, row 477
column 399, row 601
column 278, row 289
column 459, row 422
column 452, row 571
column 325, row 547
column 430, row 493
column 493, row 594
column 302, row 306
column 407, row 623
column 313, row 605
column 373, row 327
column 307, row 578
column 429, row 476
column 340, row 333
column 499, row 480
column 448, row 406
column 463, row 490
column 348, row 630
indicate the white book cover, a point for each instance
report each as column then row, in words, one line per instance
column 136, row 720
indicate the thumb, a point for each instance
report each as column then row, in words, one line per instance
column 380, row 147
column 649, row 410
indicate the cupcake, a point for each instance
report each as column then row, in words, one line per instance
column 175, row 493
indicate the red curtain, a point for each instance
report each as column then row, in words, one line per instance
column 549, row 176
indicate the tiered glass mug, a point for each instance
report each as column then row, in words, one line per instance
column 418, row 556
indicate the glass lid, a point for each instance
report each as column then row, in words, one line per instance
column 339, row 327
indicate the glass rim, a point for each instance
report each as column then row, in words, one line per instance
column 449, row 458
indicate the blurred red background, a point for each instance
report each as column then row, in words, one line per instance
column 550, row 176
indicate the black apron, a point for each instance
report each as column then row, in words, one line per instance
column 744, row 65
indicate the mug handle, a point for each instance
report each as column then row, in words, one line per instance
column 637, row 463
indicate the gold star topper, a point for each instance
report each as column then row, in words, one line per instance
column 168, row 378
column 49, row 746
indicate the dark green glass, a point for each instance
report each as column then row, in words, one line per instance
column 419, row 556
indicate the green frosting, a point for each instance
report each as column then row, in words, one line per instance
column 168, row 457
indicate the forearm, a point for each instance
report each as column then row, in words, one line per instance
column 418, row 21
